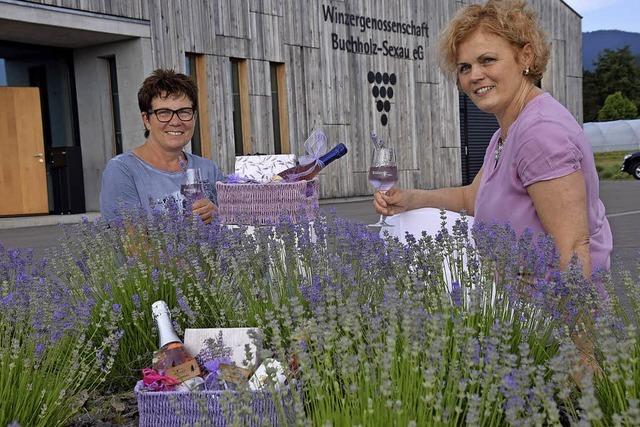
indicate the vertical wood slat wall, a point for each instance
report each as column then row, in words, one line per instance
column 203, row 106
column 327, row 88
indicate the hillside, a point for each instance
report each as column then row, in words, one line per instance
column 595, row 42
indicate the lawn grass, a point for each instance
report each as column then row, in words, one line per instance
column 608, row 165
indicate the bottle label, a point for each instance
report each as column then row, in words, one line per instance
column 184, row 371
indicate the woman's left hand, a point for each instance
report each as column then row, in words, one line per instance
column 205, row 209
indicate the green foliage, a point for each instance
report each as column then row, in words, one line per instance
column 616, row 71
column 590, row 96
column 617, row 107
column 608, row 165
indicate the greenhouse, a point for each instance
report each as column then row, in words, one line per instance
column 617, row 135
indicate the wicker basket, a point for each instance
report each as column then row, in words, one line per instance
column 269, row 203
column 204, row 408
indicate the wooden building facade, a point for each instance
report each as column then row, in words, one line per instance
column 271, row 71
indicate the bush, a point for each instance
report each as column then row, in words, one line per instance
column 617, row 107
column 608, row 165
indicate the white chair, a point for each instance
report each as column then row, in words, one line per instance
column 418, row 220
column 429, row 220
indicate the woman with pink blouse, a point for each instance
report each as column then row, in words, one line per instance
column 538, row 171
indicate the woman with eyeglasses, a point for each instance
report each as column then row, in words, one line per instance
column 151, row 174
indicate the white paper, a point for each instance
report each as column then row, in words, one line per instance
column 234, row 338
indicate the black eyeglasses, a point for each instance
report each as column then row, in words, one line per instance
column 165, row 115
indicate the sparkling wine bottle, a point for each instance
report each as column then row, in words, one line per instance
column 308, row 172
column 171, row 359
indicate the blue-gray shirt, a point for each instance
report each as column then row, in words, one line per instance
column 129, row 182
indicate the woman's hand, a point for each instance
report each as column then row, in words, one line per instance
column 205, row 209
column 392, row 201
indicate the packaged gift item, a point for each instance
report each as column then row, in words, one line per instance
column 262, row 168
column 292, row 196
column 228, row 343
column 171, row 359
column 315, row 159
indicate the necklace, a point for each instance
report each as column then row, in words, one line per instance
column 500, row 144
column 498, row 151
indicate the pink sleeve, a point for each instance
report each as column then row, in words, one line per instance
column 547, row 151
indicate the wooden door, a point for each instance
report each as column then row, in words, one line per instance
column 23, row 179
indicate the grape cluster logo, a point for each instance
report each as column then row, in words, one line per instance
column 382, row 91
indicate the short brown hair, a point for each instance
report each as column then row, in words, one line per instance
column 512, row 20
column 163, row 83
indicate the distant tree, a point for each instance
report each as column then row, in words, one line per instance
column 617, row 107
column 616, row 71
column 590, row 96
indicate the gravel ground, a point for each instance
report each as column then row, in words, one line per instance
column 100, row 410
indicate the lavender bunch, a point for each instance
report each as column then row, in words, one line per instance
column 398, row 364
column 616, row 392
column 51, row 355
column 211, row 275
column 412, row 347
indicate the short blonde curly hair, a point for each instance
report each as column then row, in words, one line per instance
column 512, row 20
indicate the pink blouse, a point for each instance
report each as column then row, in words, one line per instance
column 545, row 142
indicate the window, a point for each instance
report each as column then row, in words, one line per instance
column 115, row 105
column 201, row 140
column 240, row 98
column 3, row 73
column 279, row 109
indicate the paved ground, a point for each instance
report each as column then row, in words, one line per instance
column 621, row 198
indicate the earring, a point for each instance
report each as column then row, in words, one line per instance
column 525, row 72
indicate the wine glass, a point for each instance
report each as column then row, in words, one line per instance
column 383, row 174
column 192, row 187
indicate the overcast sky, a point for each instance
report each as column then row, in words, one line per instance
column 608, row 14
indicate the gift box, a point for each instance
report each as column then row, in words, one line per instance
column 262, row 168
column 179, row 408
column 268, row 203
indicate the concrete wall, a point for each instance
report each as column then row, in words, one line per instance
column 133, row 60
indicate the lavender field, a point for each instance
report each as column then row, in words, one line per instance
column 439, row 331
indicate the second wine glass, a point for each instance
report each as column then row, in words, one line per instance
column 383, row 174
column 192, row 187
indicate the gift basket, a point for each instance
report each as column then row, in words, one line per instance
column 267, row 203
column 207, row 407
column 254, row 197
column 219, row 386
